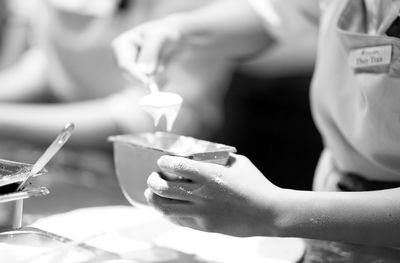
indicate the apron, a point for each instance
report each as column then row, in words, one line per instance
column 355, row 95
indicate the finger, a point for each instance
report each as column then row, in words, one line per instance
column 148, row 58
column 176, row 190
column 157, row 44
column 169, row 207
column 132, row 71
column 194, row 170
column 126, row 50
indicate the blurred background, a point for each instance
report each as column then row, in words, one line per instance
column 57, row 66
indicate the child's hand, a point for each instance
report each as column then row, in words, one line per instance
column 236, row 200
column 144, row 50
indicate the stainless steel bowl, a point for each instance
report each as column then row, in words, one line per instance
column 136, row 155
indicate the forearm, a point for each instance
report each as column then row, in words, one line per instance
column 25, row 80
column 371, row 218
column 226, row 28
column 41, row 122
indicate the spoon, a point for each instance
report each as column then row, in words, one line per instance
column 56, row 145
column 159, row 103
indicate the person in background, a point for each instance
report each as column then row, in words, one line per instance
column 68, row 74
column 355, row 106
column 14, row 29
column 3, row 21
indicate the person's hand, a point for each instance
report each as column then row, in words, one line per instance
column 236, row 200
column 145, row 50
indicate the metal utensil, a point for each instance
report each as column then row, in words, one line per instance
column 15, row 196
column 56, row 145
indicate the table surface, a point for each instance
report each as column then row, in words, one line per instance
column 84, row 178
column 144, row 235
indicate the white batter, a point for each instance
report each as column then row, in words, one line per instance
column 158, row 104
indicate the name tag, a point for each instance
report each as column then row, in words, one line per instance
column 370, row 56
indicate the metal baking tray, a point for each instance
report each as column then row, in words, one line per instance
column 11, row 201
column 12, row 173
column 32, row 245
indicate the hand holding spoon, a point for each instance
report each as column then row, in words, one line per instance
column 56, row 145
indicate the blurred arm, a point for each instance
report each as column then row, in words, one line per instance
column 95, row 120
column 242, row 27
column 294, row 24
column 25, row 80
column 226, row 28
